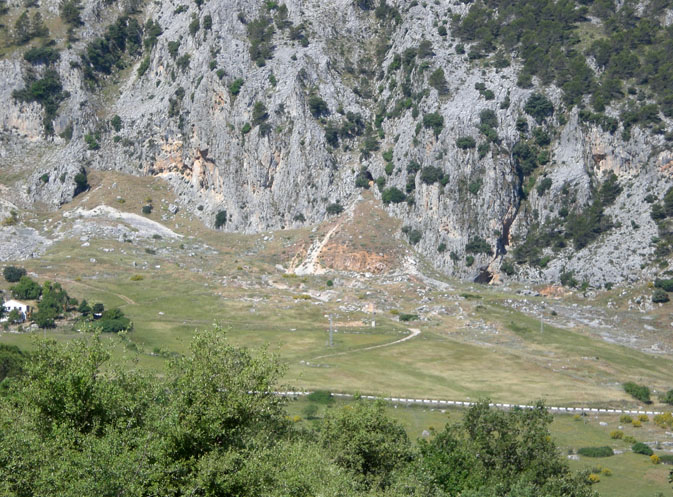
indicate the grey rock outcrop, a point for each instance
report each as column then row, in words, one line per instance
column 185, row 125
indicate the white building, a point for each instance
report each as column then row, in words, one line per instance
column 23, row 308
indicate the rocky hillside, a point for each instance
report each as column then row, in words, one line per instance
column 511, row 141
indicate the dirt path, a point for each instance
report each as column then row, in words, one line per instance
column 126, row 299
column 414, row 332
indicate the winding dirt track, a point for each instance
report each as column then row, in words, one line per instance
column 414, row 332
column 126, row 299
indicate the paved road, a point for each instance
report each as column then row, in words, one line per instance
column 459, row 403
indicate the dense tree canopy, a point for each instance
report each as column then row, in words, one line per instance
column 26, row 288
column 633, row 45
column 73, row 424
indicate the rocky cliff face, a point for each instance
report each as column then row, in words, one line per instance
column 267, row 153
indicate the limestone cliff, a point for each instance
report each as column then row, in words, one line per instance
column 274, row 136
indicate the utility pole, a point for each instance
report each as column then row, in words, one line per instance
column 372, row 315
column 331, row 332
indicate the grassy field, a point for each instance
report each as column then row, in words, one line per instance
column 471, row 345
column 474, row 341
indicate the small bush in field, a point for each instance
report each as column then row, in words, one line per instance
column 664, row 420
column 641, row 448
column 594, row 478
column 596, row 451
column 617, row 434
column 320, row 397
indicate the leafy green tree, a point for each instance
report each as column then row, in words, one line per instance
column 84, row 308
column 173, row 47
column 361, row 439
column 53, row 303
column 114, row 321
column 431, row 174
column 364, row 4
column 42, row 55
column 543, row 185
column 27, row 289
column 194, row 25
column 47, row 91
column 116, row 123
column 81, row 182
column 438, row 81
column 487, row 117
column 664, row 284
column 14, row 316
column 435, row 121
column 323, row 397
column 334, row 209
column 660, row 296
column 466, row 142
column 259, row 113
column 450, row 462
column 212, row 407
column 13, row 274
column 310, row 411
column 260, row 34
column 392, row 194
column 207, row 22
column 69, row 11
column 22, row 33
column 12, row 361
column 478, row 245
column 414, row 237
column 54, row 296
column 508, row 268
column 152, row 32
column 45, row 317
column 74, row 424
column 38, row 28
column 539, row 107
column 363, row 178
column 522, row 125
column 318, row 106
column 515, row 448
column 640, row 392
column 235, row 86
column 220, row 219
column 524, row 158
column 642, row 448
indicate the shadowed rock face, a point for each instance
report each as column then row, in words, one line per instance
column 183, row 123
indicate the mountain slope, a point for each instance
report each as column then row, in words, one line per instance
column 275, row 113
